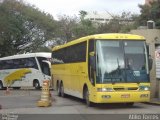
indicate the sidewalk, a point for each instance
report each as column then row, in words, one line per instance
column 155, row 101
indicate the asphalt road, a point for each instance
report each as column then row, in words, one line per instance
column 23, row 102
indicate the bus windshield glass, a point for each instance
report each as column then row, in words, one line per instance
column 121, row 61
column 44, row 66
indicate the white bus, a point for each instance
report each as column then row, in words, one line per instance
column 25, row 70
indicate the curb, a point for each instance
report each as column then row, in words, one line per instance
column 153, row 103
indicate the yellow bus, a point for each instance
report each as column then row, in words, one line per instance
column 103, row 68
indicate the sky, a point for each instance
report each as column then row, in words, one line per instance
column 72, row 7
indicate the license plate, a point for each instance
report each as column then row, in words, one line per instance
column 125, row 96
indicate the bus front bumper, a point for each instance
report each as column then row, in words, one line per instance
column 121, row 97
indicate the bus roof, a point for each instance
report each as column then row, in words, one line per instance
column 110, row 36
column 40, row 54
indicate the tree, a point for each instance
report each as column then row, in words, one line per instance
column 119, row 23
column 24, row 28
column 128, row 21
column 85, row 26
column 82, row 14
column 65, row 29
column 150, row 12
column 70, row 28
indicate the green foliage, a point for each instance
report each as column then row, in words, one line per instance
column 70, row 28
column 43, row 49
column 119, row 24
column 150, row 12
column 65, row 29
column 85, row 27
column 82, row 14
column 24, row 28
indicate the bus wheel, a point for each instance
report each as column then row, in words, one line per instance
column 36, row 85
column 1, row 86
column 130, row 104
column 62, row 90
column 88, row 103
column 58, row 89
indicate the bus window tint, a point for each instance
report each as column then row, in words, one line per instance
column 44, row 66
column 110, row 61
column 19, row 63
column 31, row 63
column 135, row 55
column 71, row 54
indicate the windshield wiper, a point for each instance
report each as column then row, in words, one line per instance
column 118, row 66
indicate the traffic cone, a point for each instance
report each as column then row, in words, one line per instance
column 45, row 96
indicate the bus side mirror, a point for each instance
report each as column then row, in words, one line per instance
column 92, row 53
column 92, row 60
column 150, row 62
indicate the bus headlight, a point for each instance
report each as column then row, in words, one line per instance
column 104, row 89
column 145, row 88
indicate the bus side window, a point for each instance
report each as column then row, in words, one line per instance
column 31, row 63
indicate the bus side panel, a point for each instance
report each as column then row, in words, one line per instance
column 73, row 77
column 20, row 77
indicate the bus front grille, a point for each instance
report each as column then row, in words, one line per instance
column 129, row 88
column 118, row 89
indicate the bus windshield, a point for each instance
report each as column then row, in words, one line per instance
column 121, row 61
column 44, row 66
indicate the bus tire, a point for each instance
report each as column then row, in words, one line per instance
column 36, row 84
column 62, row 90
column 1, row 85
column 58, row 89
column 130, row 104
column 86, row 97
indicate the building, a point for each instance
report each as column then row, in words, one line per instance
column 105, row 17
column 101, row 17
